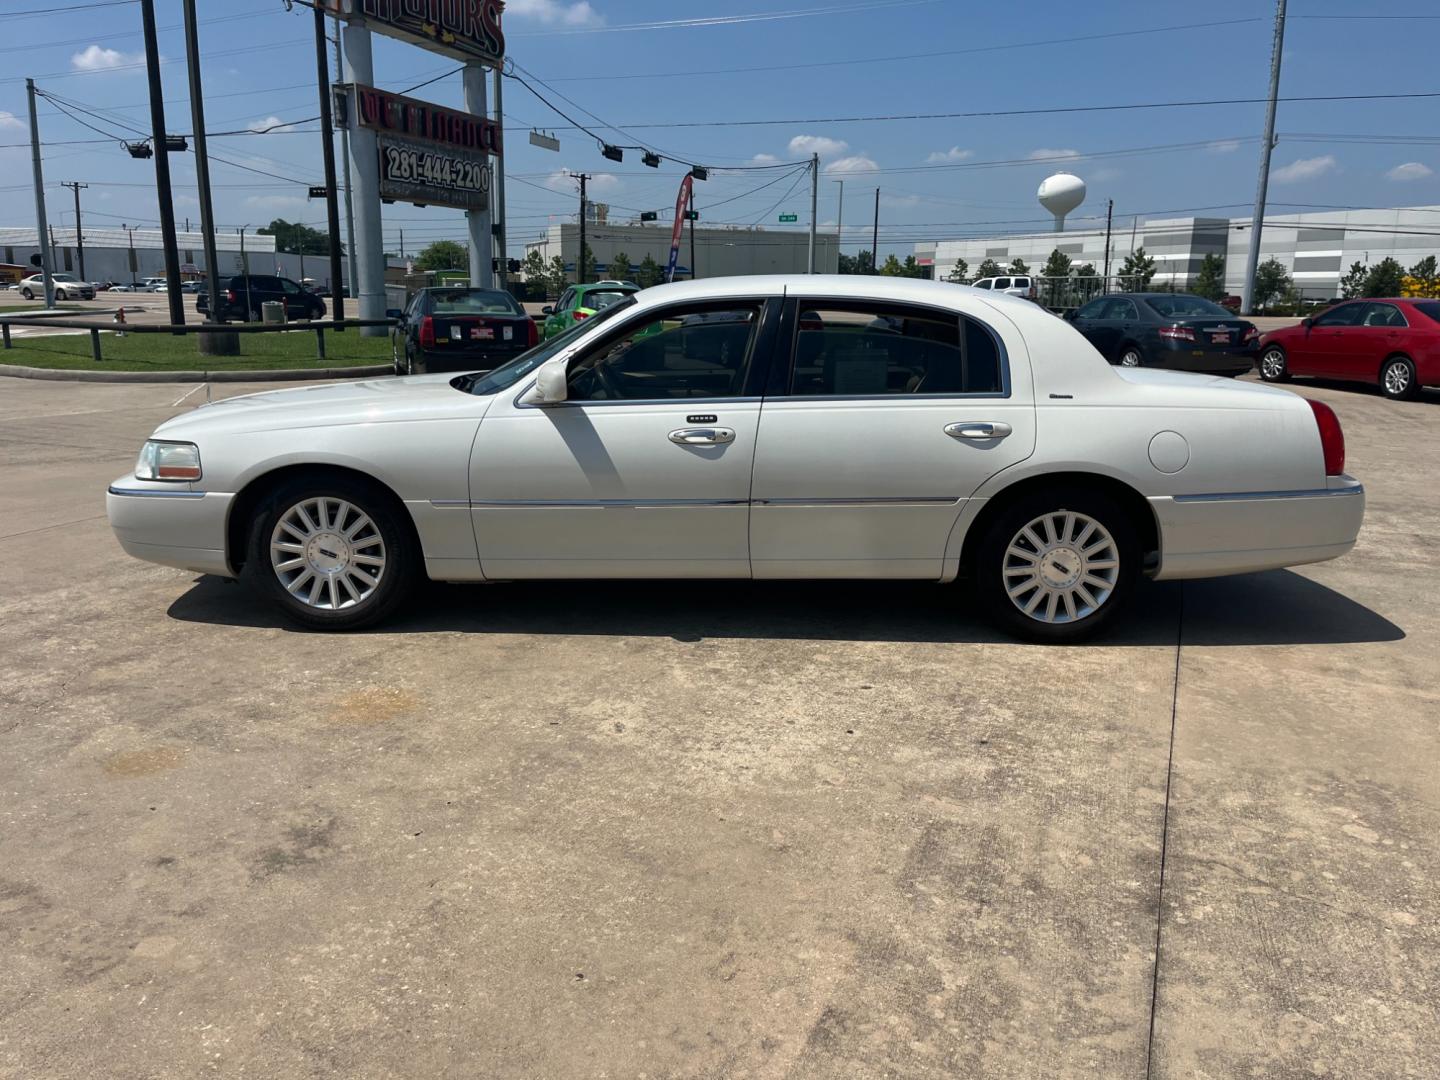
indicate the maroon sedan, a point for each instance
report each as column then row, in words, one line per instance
column 1393, row 343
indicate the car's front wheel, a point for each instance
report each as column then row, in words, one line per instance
column 59, row 294
column 1397, row 379
column 333, row 553
column 27, row 294
column 1131, row 356
column 1055, row 566
column 1273, row 366
column 413, row 366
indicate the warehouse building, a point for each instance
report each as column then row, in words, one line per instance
column 719, row 252
column 126, row 256
column 1316, row 248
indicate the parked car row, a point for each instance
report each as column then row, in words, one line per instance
column 1170, row 330
column 245, row 296
column 1392, row 343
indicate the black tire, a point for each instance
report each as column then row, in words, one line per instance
column 396, row 544
column 59, row 295
column 1274, row 367
column 1398, row 380
column 413, row 366
column 27, row 294
column 991, row 562
column 1131, row 355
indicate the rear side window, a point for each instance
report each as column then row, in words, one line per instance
column 1021, row 283
column 1430, row 309
column 1002, row 283
column 861, row 349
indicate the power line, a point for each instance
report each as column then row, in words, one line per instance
column 49, row 12
column 728, row 20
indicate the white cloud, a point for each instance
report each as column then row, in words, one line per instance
column 854, row 163
column 900, row 200
column 10, row 122
column 98, row 58
column 1045, row 152
column 1224, row 146
column 1304, row 169
column 805, row 145
column 555, row 13
column 270, row 123
column 600, row 183
column 953, row 154
column 1410, row 170
column 764, row 159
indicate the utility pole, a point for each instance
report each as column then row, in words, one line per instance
column 202, row 166
column 40, row 226
column 130, row 236
column 1252, row 261
column 875, row 238
column 162, row 166
column 814, row 198
column 694, row 268
column 839, row 222
column 327, row 138
column 337, row 288
column 580, row 257
column 402, row 243
column 482, row 240
column 79, row 237
column 497, row 184
column 1109, row 211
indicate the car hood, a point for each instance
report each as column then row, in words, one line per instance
column 368, row 401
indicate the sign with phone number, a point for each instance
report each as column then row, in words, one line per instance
column 420, row 173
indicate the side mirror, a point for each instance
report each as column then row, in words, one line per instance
column 551, row 383
column 394, row 313
column 1069, row 315
column 1306, row 322
column 547, row 310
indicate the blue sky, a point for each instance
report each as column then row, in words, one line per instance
column 635, row 63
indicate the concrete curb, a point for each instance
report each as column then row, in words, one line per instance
column 16, row 371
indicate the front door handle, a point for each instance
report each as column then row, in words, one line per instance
column 706, row 436
column 978, row 430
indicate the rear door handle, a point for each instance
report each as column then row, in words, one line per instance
column 695, row 436
column 978, row 430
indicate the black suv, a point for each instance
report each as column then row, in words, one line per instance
column 243, row 297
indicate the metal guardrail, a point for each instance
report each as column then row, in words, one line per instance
column 181, row 329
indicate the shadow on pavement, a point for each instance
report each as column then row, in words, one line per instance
column 1277, row 608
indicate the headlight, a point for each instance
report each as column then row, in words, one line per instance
column 168, row 461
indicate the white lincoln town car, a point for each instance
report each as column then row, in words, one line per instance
column 762, row 427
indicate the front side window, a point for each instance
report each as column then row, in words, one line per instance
column 1121, row 310
column 290, row 287
column 860, row 349
column 693, row 352
column 1343, row 315
column 507, row 375
column 1002, row 283
column 1093, row 310
column 983, row 283
column 566, row 301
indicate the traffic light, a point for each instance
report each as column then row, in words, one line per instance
column 649, row 215
column 513, row 265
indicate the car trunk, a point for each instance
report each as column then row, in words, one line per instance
column 481, row 335
column 1213, row 334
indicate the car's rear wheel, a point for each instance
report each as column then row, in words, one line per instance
column 1397, row 379
column 1055, row 566
column 332, row 552
column 1131, row 356
column 1273, row 365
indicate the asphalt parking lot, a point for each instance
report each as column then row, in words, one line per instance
column 610, row 830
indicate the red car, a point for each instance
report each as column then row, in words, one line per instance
column 1393, row 343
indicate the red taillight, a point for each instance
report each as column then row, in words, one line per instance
column 1332, row 439
column 427, row 332
column 1177, row 333
column 534, row 333
column 1251, row 334
column 581, row 316
column 230, row 296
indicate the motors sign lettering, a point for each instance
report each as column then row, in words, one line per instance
column 396, row 115
column 463, row 29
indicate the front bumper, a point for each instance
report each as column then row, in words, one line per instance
column 170, row 524
column 1243, row 532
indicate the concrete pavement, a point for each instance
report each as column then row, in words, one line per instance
column 773, row 831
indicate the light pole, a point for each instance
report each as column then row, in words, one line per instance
column 245, row 269
column 839, row 222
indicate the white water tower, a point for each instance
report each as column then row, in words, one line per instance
column 1060, row 194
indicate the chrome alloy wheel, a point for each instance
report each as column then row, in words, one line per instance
column 1272, row 364
column 1397, row 378
column 1061, row 567
column 1130, row 358
column 327, row 553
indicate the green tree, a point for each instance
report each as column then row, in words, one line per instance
column 534, row 269
column 587, row 264
column 1057, row 265
column 443, row 255
column 1086, row 270
column 913, row 269
column 296, row 238
column 862, row 262
column 1210, row 281
column 891, row 267
column 619, row 268
column 1386, row 278
column 958, row 272
column 648, row 273
column 1017, row 266
column 1352, row 283
column 989, row 268
column 558, row 277
column 1426, row 278
column 1137, row 270
column 1272, row 280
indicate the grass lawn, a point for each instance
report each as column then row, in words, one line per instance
column 166, row 352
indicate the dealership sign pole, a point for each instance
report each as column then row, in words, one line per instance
column 682, row 204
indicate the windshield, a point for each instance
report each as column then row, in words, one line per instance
column 1187, row 307
column 509, row 374
column 599, row 299
column 474, row 302
column 1430, row 308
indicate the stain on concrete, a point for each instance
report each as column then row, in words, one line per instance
column 146, row 762
column 306, row 844
column 373, row 705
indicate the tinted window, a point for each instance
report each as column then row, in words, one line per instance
column 682, row 353
column 1431, row 309
column 1187, row 307
column 1093, row 310
column 1021, row 283
column 1343, row 315
column 1002, row 283
column 1122, row 309
column 843, row 349
column 290, row 286
column 1383, row 315
column 473, row 302
column 983, row 283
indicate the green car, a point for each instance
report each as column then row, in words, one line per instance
column 579, row 302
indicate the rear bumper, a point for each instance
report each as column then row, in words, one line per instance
column 170, row 525
column 1242, row 532
column 464, row 360
column 1180, row 356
